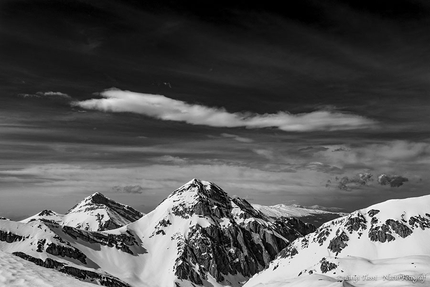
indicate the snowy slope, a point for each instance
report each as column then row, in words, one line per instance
column 49, row 245
column 94, row 213
column 15, row 272
column 386, row 239
column 315, row 214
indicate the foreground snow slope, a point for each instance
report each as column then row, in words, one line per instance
column 15, row 272
column 382, row 241
column 95, row 213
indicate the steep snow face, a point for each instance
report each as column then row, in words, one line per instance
column 315, row 214
column 384, row 239
column 94, row 213
column 15, row 272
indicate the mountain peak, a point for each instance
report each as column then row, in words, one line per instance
column 46, row 212
column 197, row 190
column 100, row 213
column 99, row 198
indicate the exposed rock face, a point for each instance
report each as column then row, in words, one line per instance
column 240, row 240
column 10, row 237
column 338, row 243
column 64, row 251
column 356, row 222
column 85, row 275
column 122, row 242
column 373, row 212
column 326, row 266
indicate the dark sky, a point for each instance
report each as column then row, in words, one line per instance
column 274, row 103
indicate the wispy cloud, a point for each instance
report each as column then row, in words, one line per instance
column 137, row 189
column 46, row 94
column 170, row 159
column 164, row 108
column 237, row 138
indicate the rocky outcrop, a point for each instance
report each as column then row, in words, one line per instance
column 356, row 222
column 401, row 229
column 373, row 212
column 419, row 221
column 81, row 274
column 384, row 232
column 326, row 265
column 10, row 237
column 64, row 251
column 122, row 242
column 338, row 243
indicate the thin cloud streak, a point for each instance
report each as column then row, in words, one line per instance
column 164, row 108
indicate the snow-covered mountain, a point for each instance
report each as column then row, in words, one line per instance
column 382, row 245
column 48, row 215
column 94, row 213
column 196, row 236
column 315, row 215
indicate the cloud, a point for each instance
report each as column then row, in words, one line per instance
column 392, row 180
column 170, row 159
column 322, row 167
column 393, row 156
column 136, row 189
column 237, row 138
column 49, row 94
column 268, row 154
column 164, row 108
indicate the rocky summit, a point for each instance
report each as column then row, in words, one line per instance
column 198, row 236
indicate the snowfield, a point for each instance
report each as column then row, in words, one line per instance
column 17, row 272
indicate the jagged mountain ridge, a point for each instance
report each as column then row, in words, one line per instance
column 389, row 238
column 94, row 213
column 197, row 236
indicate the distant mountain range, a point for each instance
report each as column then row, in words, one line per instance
column 315, row 214
column 200, row 236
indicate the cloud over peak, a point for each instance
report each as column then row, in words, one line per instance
column 164, row 108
